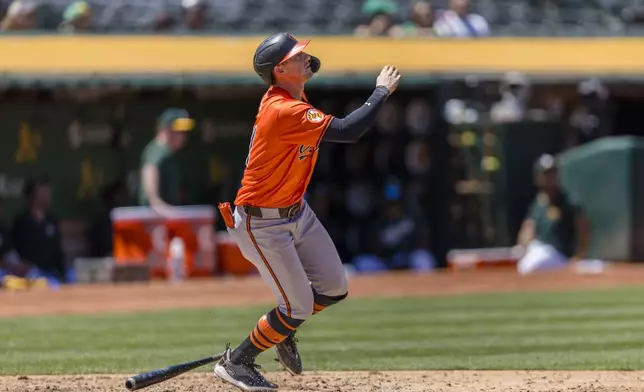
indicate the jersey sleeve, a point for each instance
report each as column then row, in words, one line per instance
column 301, row 123
column 533, row 210
column 153, row 156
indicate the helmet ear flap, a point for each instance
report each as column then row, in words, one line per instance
column 315, row 64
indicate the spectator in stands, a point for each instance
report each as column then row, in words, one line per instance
column 194, row 14
column 36, row 235
column 128, row 15
column 21, row 15
column 162, row 21
column 555, row 230
column 421, row 23
column 160, row 173
column 77, row 17
column 459, row 22
column 380, row 14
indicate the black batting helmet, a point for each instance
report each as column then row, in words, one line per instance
column 276, row 49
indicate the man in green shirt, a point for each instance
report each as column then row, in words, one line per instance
column 555, row 230
column 160, row 171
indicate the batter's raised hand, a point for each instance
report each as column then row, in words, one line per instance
column 389, row 77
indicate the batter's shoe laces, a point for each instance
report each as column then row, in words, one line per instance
column 245, row 376
column 288, row 355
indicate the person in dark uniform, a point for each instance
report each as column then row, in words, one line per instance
column 10, row 263
column 160, row 171
column 555, row 231
column 36, row 235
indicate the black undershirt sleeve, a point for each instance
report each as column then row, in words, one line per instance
column 353, row 126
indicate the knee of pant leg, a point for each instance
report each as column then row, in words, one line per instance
column 302, row 307
column 525, row 266
column 340, row 288
column 336, row 288
column 539, row 258
column 328, row 300
column 523, row 269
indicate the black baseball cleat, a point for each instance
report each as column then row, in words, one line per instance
column 288, row 355
column 244, row 376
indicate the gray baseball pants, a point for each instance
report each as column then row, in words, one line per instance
column 295, row 256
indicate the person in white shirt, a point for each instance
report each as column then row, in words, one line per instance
column 458, row 22
column 515, row 93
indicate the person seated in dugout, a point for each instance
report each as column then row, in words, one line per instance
column 10, row 263
column 15, row 274
column 36, row 236
column 555, row 231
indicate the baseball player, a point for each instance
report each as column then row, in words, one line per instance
column 160, row 170
column 272, row 224
column 556, row 231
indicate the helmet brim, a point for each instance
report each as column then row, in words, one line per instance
column 296, row 49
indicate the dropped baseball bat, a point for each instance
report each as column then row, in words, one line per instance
column 156, row 376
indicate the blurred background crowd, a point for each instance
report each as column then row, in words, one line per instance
column 397, row 18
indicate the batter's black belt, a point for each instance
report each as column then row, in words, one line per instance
column 282, row 212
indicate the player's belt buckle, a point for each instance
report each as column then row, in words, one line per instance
column 292, row 210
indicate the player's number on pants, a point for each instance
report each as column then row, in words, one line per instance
column 250, row 145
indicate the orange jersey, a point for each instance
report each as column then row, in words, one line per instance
column 283, row 151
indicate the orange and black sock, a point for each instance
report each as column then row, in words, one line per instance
column 321, row 302
column 271, row 329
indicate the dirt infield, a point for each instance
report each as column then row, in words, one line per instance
column 438, row 381
column 235, row 292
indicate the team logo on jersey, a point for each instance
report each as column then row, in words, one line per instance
column 554, row 213
column 306, row 151
column 314, row 116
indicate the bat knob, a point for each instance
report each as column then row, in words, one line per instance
column 130, row 384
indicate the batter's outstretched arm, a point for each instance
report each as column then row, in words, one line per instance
column 353, row 126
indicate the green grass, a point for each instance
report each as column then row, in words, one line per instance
column 577, row 330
